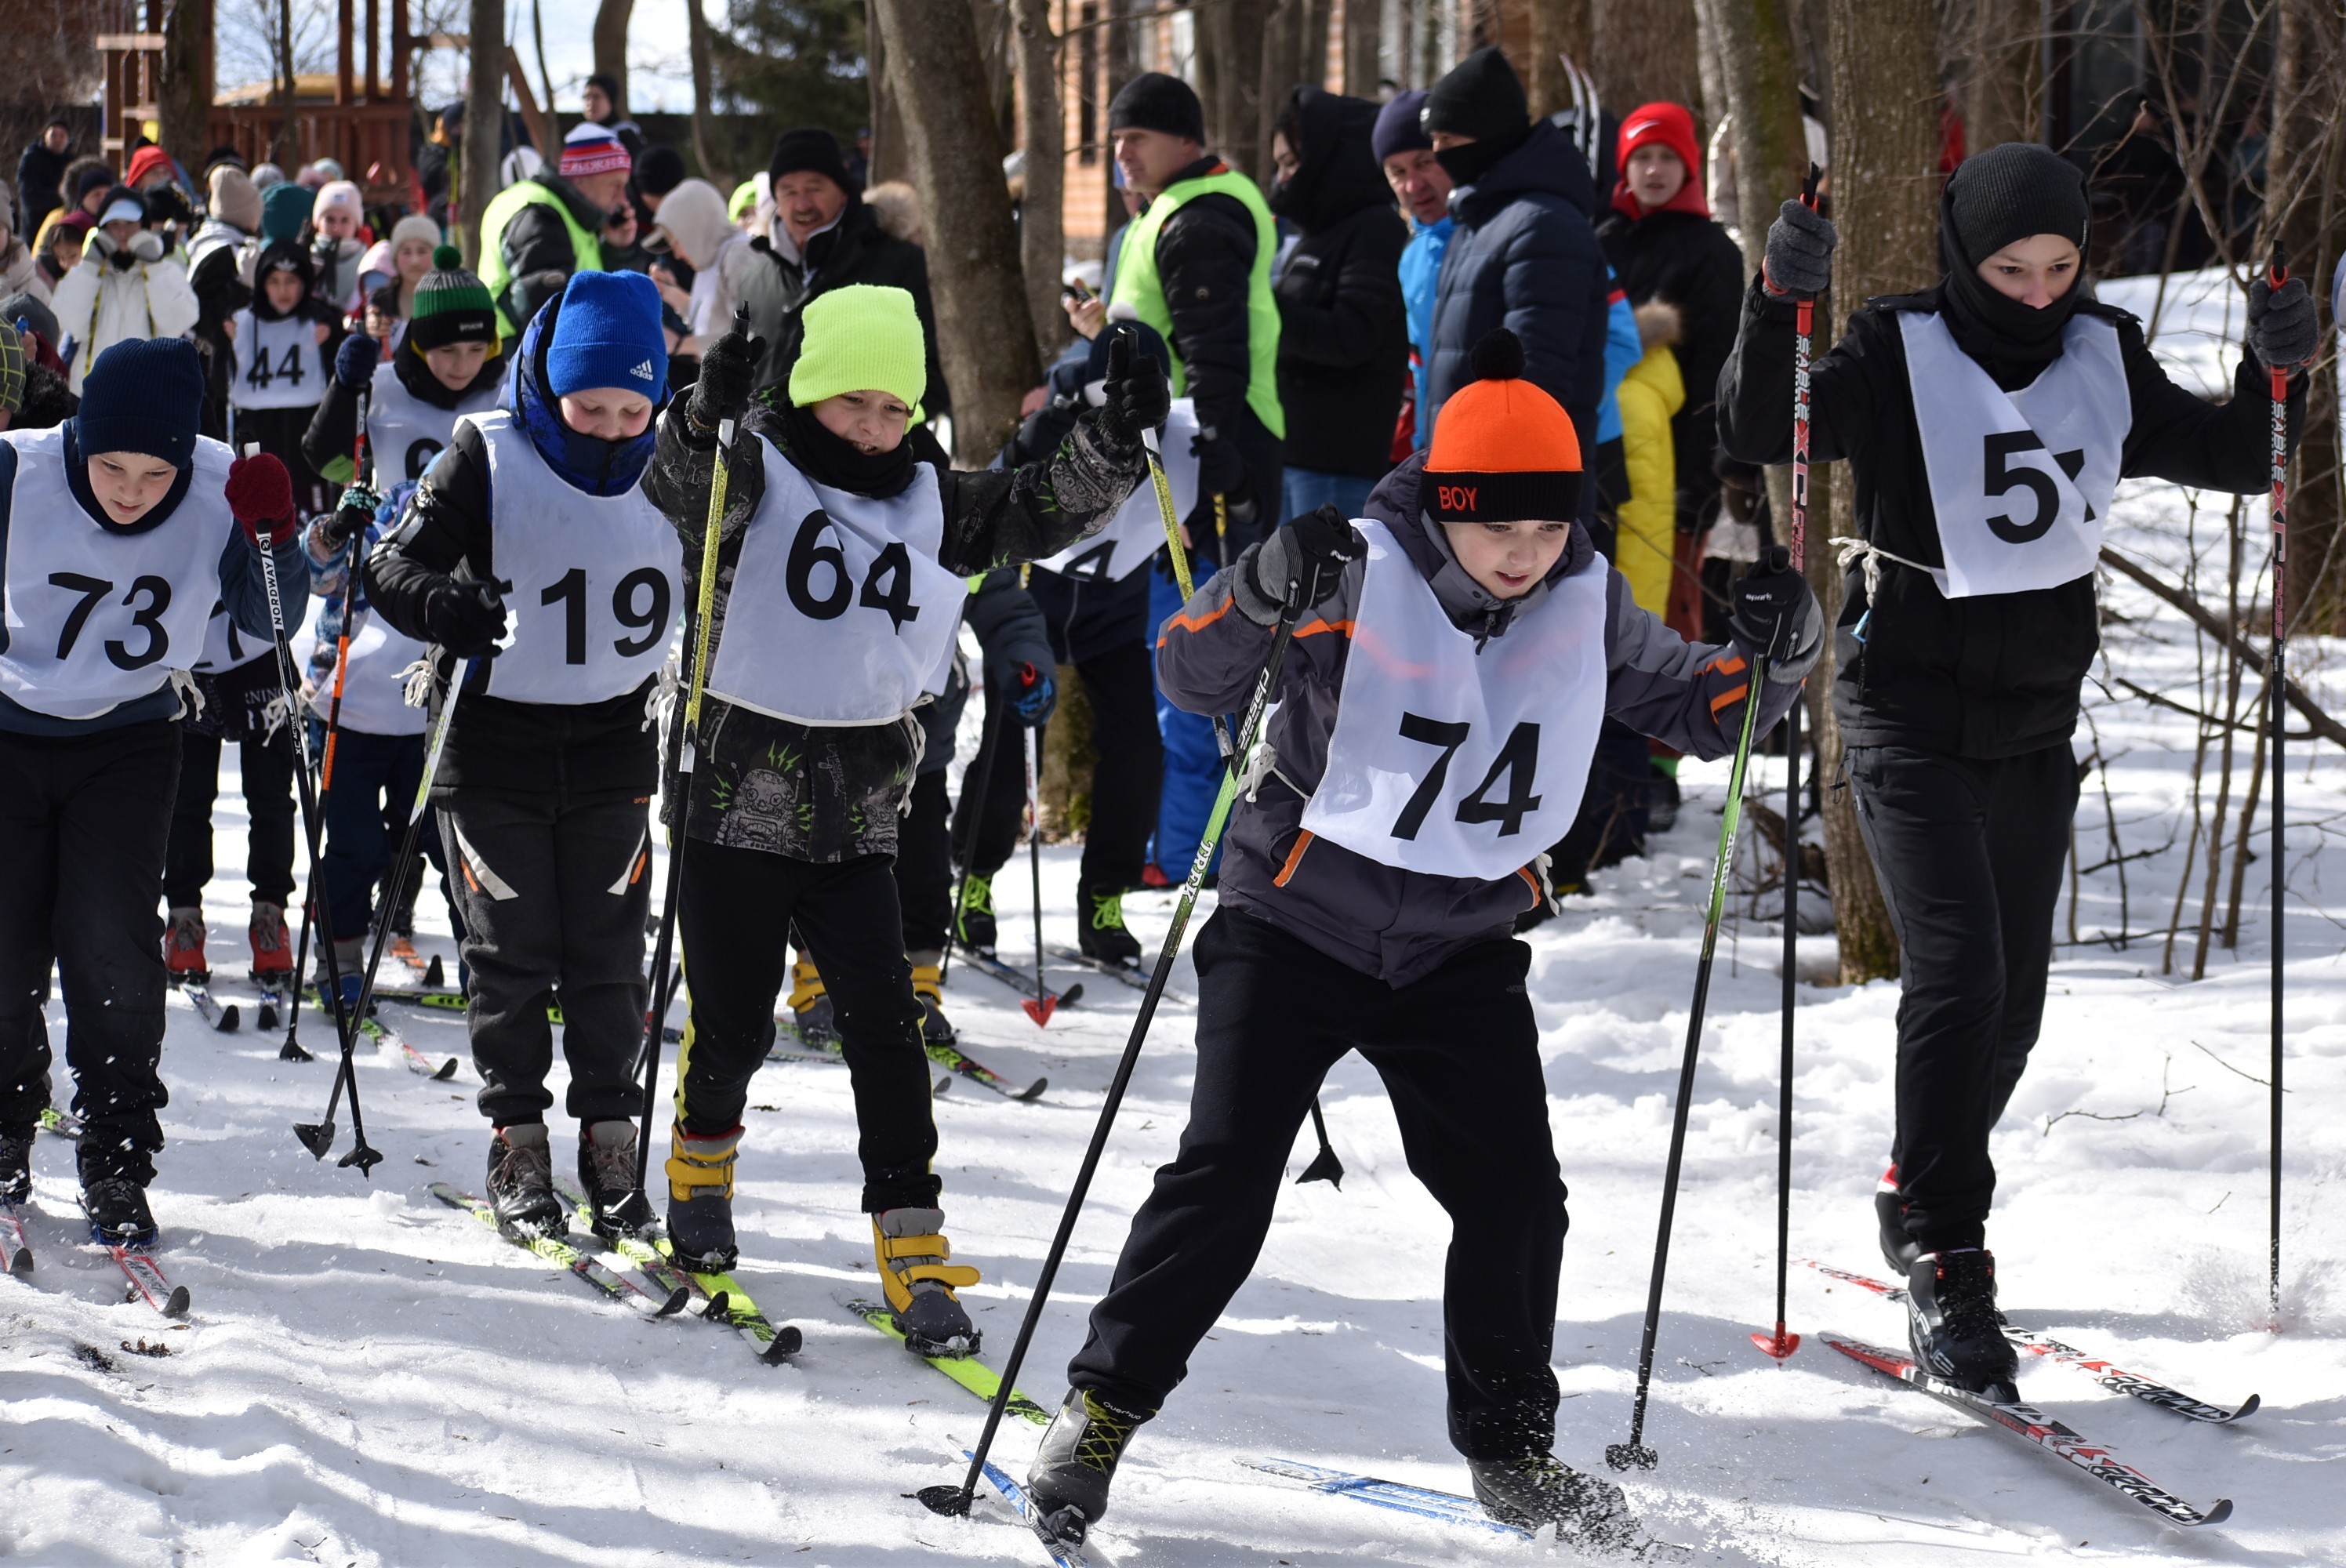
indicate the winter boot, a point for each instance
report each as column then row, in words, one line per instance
column 975, row 928
column 521, row 1182
column 16, row 1166
column 928, row 982
column 272, row 944
column 811, row 1004
column 183, row 945
column 911, row 1253
column 1101, row 932
column 1540, row 1489
column 1953, row 1326
column 700, row 1199
column 616, row 1206
column 118, row 1211
column 1662, row 798
column 350, row 964
column 1898, row 1249
column 1066, row 1486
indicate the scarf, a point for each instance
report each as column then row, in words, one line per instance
column 833, row 461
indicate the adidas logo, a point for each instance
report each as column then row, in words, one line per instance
column 642, row 373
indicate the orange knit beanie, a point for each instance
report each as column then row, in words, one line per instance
column 1504, row 451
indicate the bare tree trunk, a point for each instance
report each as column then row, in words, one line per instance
column 704, row 123
column 1885, row 90
column 1232, row 37
column 1557, row 28
column 1762, row 88
column 611, row 18
column 1641, row 51
column 986, row 335
column 2003, row 89
column 186, row 87
column 538, row 38
column 1042, row 242
column 1362, row 34
column 281, row 149
column 891, row 157
column 2307, row 207
column 484, row 114
column 1282, row 43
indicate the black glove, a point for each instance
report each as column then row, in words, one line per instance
column 729, row 374
column 1771, row 600
column 1221, row 467
column 355, row 361
column 2281, row 325
column 465, row 618
column 1800, row 250
column 1310, row 550
column 1135, row 395
column 348, row 520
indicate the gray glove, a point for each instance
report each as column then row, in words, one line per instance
column 1800, row 251
column 2281, row 325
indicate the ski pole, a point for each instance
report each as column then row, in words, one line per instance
column 1622, row 1455
column 2277, row 275
column 291, row 1050
column 1039, row 1005
column 955, row 1500
column 676, row 789
column 1782, row 1343
column 974, row 795
column 1324, row 1167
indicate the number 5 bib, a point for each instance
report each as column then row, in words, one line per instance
column 1451, row 762
column 840, row 612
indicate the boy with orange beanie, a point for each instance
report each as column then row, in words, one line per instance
column 1437, row 710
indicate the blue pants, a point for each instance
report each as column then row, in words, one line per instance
column 367, row 817
column 1193, row 762
column 1308, row 489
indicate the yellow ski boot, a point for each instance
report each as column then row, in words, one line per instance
column 911, row 1250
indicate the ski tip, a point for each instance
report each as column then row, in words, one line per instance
column 267, row 1017
column 1631, row 1455
column 20, row 1262
column 1073, row 994
column 229, row 1019
column 177, row 1307
column 675, row 1302
column 1039, row 1009
column 447, row 1071
column 1778, row 1344
column 435, row 974
column 2246, row 1407
column 942, row 1086
column 2217, row 1512
column 1032, row 1092
column 788, row 1341
column 318, row 1137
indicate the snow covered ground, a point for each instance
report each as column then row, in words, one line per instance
column 372, row 1378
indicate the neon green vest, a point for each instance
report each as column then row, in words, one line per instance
column 584, row 245
column 1138, row 286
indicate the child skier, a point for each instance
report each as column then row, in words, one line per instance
column 444, row 365
column 534, row 517
column 1969, row 622
column 848, row 552
column 1438, row 708
column 284, row 342
column 120, row 531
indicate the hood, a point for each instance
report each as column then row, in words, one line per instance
column 1471, row 608
column 597, row 467
column 1545, row 160
column 283, row 255
column 1340, row 174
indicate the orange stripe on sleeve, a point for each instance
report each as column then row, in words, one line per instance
column 1729, row 697
column 1182, row 619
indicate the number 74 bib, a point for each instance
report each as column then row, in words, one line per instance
column 1451, row 762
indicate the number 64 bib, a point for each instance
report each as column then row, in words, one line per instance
column 840, row 612
column 1451, row 762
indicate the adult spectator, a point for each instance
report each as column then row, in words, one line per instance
column 19, row 270
column 658, row 171
column 1343, row 342
column 1524, row 255
column 540, row 231
column 221, row 270
column 125, row 287
column 601, row 100
column 820, row 237
column 87, row 179
column 1421, row 186
column 40, row 170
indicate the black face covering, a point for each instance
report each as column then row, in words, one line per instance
column 831, row 460
column 2011, row 340
column 1467, row 163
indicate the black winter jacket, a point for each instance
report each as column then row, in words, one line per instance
column 856, row 249
column 1990, row 676
column 333, row 435
column 537, row 248
column 1343, row 340
column 38, row 170
column 1687, row 259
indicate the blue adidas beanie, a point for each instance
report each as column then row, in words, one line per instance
column 144, row 396
column 607, row 334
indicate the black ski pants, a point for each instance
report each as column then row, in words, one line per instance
column 553, row 887
column 1459, row 1054
column 924, row 879
column 1969, row 851
column 266, row 769
column 83, row 823
column 738, row 908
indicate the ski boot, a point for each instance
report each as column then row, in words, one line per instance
column 810, row 1004
column 700, row 1199
column 1540, row 1490
column 974, row 927
column 910, row 1251
column 1662, row 797
column 521, row 1182
column 16, row 1166
column 349, row 966
column 183, row 946
column 1953, row 1326
column 273, row 946
column 118, row 1211
column 401, row 947
column 928, row 981
column 1066, row 1486
column 1100, row 932
column 616, row 1206
column 1898, row 1249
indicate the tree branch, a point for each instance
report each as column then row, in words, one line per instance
column 2317, row 720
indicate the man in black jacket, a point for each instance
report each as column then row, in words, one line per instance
column 1343, row 340
column 39, row 169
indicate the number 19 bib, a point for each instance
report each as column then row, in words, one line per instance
column 1451, row 763
column 840, row 612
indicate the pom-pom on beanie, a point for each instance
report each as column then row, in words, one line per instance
column 1157, row 102
column 1504, row 450
column 865, row 336
column 607, row 334
column 451, row 306
column 143, row 395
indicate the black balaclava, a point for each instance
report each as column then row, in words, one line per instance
column 2007, row 193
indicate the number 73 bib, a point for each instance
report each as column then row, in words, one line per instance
column 1451, row 762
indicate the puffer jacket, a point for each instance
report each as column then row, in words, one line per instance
column 1651, row 396
column 99, row 303
column 1395, row 924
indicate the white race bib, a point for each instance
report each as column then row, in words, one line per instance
column 227, row 645
column 404, row 433
column 374, row 688
column 840, row 612
column 279, row 365
column 596, row 578
column 1137, row 532
column 1451, row 763
column 2021, row 482
column 95, row 619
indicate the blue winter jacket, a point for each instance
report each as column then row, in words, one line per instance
column 1421, row 268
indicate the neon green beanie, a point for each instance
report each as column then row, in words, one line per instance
column 862, row 336
column 744, row 200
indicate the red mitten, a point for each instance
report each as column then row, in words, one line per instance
column 260, row 492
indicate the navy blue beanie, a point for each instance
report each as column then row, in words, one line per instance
column 144, row 396
column 1397, row 129
column 607, row 334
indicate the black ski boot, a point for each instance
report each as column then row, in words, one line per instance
column 1540, row 1489
column 607, row 1174
column 1100, row 930
column 701, row 1200
column 1953, row 1326
column 16, row 1166
column 910, row 1248
column 1898, row 1249
column 118, row 1211
column 521, row 1182
column 1066, row 1486
column 973, row 926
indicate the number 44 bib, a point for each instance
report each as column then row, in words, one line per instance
column 1451, row 762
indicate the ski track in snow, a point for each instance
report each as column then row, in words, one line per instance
column 372, row 1378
